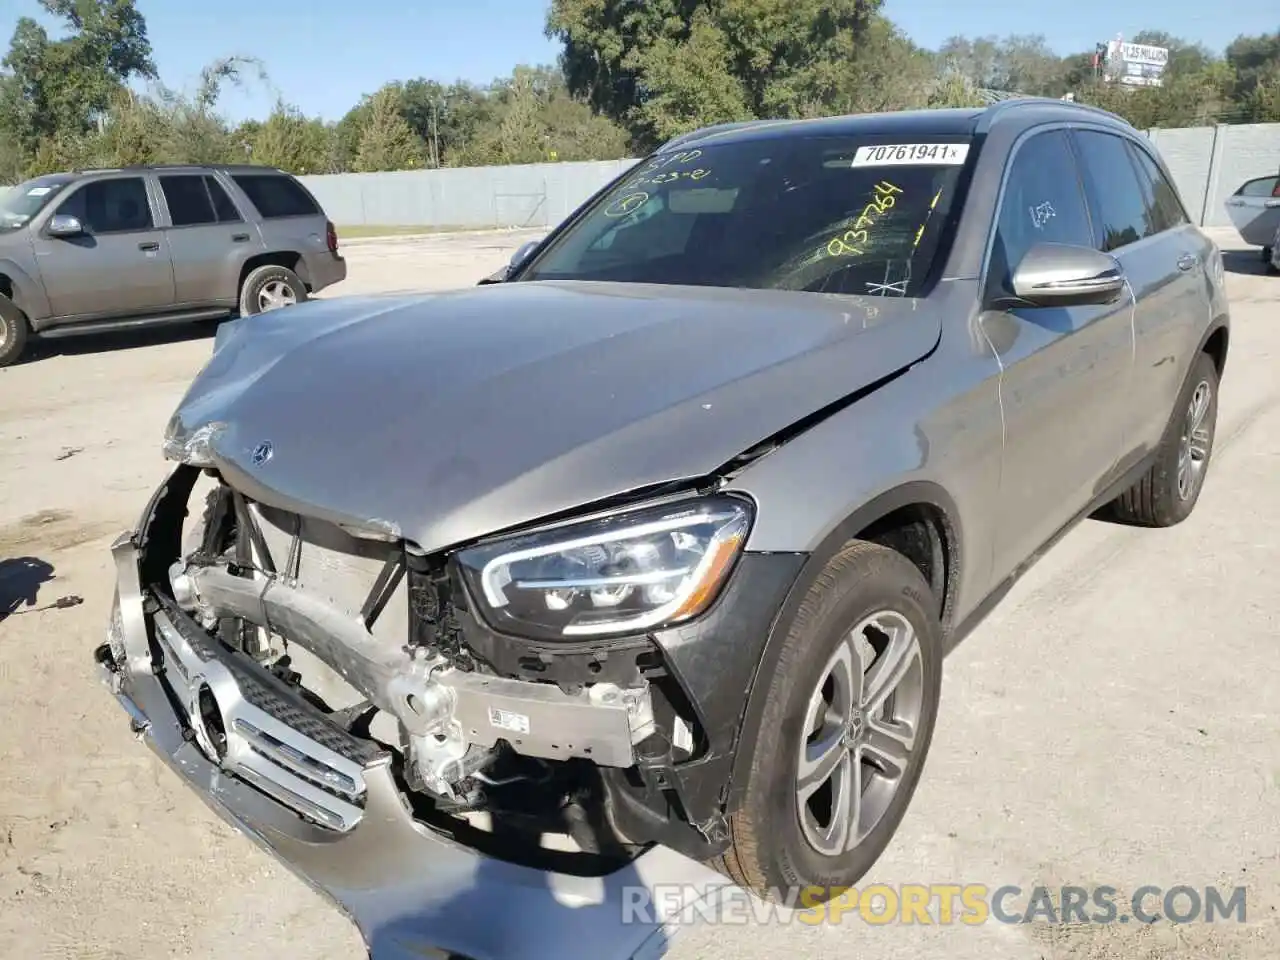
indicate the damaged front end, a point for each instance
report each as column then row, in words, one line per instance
column 419, row 735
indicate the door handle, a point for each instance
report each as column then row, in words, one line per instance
column 149, row 245
column 1187, row 261
column 240, row 238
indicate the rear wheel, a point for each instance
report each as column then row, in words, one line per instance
column 847, row 723
column 269, row 288
column 13, row 332
column 1171, row 488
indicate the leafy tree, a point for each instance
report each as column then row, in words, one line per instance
column 387, row 142
column 59, row 89
column 290, row 141
column 660, row 66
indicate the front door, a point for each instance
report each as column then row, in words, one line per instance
column 1063, row 369
column 119, row 266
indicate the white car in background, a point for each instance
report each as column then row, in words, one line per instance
column 1255, row 210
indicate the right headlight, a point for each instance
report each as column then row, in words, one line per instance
column 625, row 573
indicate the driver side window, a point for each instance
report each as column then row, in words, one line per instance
column 1043, row 202
column 116, row 205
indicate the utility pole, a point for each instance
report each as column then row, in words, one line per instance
column 435, row 133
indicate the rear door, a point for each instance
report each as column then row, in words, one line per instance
column 120, row 265
column 1138, row 220
column 208, row 237
column 1255, row 210
column 1064, row 370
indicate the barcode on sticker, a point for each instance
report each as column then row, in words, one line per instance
column 901, row 154
column 506, row 720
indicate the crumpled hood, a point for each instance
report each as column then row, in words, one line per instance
column 446, row 417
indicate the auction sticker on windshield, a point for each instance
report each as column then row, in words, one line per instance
column 901, row 154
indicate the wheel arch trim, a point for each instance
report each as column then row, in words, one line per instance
column 924, row 493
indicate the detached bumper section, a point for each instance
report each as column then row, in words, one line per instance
column 328, row 805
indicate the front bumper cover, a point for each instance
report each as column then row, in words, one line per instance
column 411, row 891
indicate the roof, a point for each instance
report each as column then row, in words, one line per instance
column 942, row 122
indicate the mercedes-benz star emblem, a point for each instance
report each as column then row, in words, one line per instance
column 262, row 453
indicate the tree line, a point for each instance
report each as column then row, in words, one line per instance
column 630, row 76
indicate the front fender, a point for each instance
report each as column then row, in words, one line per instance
column 28, row 290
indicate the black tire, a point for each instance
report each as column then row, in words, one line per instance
column 1157, row 499
column 1266, row 256
column 267, row 278
column 769, row 853
column 13, row 332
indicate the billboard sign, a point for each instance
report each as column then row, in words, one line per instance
column 1136, row 64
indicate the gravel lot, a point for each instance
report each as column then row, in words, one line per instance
column 1114, row 722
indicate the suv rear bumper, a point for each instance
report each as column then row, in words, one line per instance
column 325, row 269
column 412, row 892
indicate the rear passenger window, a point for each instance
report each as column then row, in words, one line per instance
column 1164, row 209
column 188, row 201
column 222, row 204
column 1042, row 203
column 1116, row 197
column 275, row 195
column 1262, row 187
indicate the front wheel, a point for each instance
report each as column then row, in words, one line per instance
column 847, row 724
column 270, row 288
column 13, row 332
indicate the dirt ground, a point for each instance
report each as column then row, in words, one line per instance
column 1113, row 722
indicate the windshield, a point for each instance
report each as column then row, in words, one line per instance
column 819, row 213
column 19, row 204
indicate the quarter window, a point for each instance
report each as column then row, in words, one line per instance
column 276, row 195
column 1262, row 187
column 111, row 206
column 1115, row 195
column 1042, row 203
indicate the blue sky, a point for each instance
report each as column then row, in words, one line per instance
column 323, row 54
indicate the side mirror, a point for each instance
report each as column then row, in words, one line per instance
column 517, row 258
column 521, row 254
column 1065, row 275
column 64, row 225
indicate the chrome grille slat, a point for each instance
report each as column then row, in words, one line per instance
column 269, row 752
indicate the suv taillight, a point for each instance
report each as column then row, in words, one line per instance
column 331, row 235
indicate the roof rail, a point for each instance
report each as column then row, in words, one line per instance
column 997, row 109
column 145, row 167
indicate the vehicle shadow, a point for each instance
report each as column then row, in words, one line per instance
column 1247, row 262
column 20, row 582
column 40, row 348
column 491, row 916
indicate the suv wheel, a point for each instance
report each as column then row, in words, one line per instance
column 270, row 288
column 847, row 724
column 13, row 332
column 1170, row 490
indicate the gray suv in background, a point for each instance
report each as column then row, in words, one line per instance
column 102, row 250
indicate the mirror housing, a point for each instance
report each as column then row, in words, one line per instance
column 521, row 254
column 517, row 258
column 1065, row 275
column 65, row 225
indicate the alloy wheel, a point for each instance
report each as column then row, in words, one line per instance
column 1193, row 447
column 860, row 731
column 275, row 294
